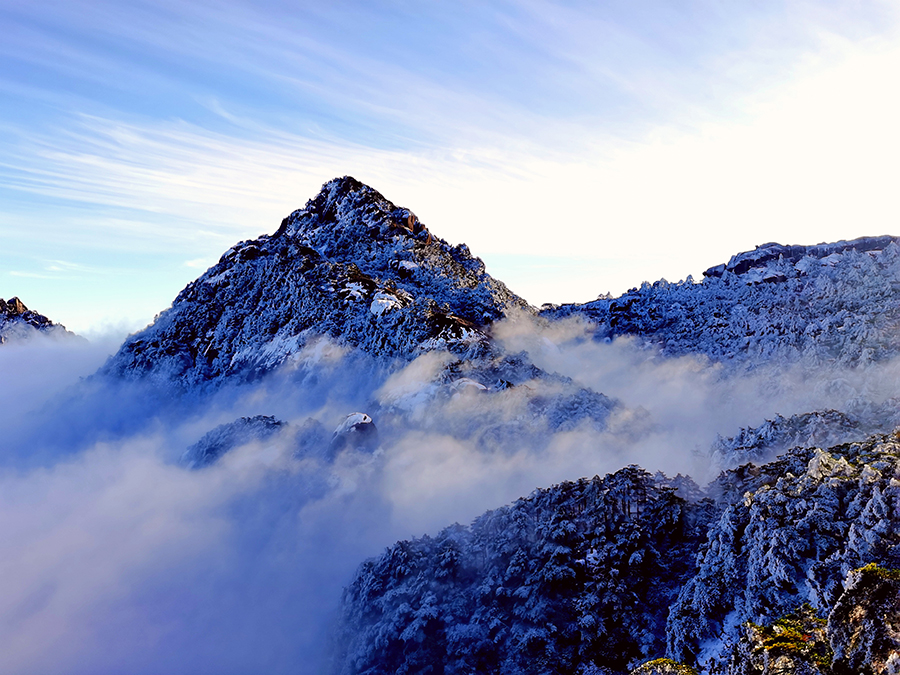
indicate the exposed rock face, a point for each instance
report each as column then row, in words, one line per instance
column 17, row 322
column 350, row 266
column 13, row 307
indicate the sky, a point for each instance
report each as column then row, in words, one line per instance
column 578, row 148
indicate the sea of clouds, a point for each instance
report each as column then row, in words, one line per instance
column 115, row 557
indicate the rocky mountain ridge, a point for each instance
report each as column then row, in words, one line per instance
column 18, row 323
column 818, row 306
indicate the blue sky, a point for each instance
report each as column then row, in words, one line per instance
column 578, row 148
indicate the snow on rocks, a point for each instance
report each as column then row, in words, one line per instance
column 357, row 431
column 466, row 385
column 823, row 465
column 352, row 422
column 340, row 267
column 384, row 302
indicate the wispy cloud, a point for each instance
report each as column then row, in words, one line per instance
column 29, row 275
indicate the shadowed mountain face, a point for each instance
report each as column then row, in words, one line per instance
column 350, row 265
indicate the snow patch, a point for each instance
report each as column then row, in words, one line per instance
column 212, row 281
column 353, row 291
column 384, row 302
column 351, row 421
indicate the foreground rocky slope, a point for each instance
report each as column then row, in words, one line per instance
column 555, row 582
column 599, row 576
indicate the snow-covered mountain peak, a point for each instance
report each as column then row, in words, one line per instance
column 350, row 265
column 345, row 208
column 349, row 222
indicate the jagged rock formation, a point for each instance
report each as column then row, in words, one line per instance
column 17, row 322
column 821, row 306
column 350, row 265
column 595, row 576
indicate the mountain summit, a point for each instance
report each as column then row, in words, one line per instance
column 350, row 265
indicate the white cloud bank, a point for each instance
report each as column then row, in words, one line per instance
column 114, row 558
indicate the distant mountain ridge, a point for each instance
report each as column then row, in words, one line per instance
column 815, row 305
column 18, row 323
column 762, row 255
